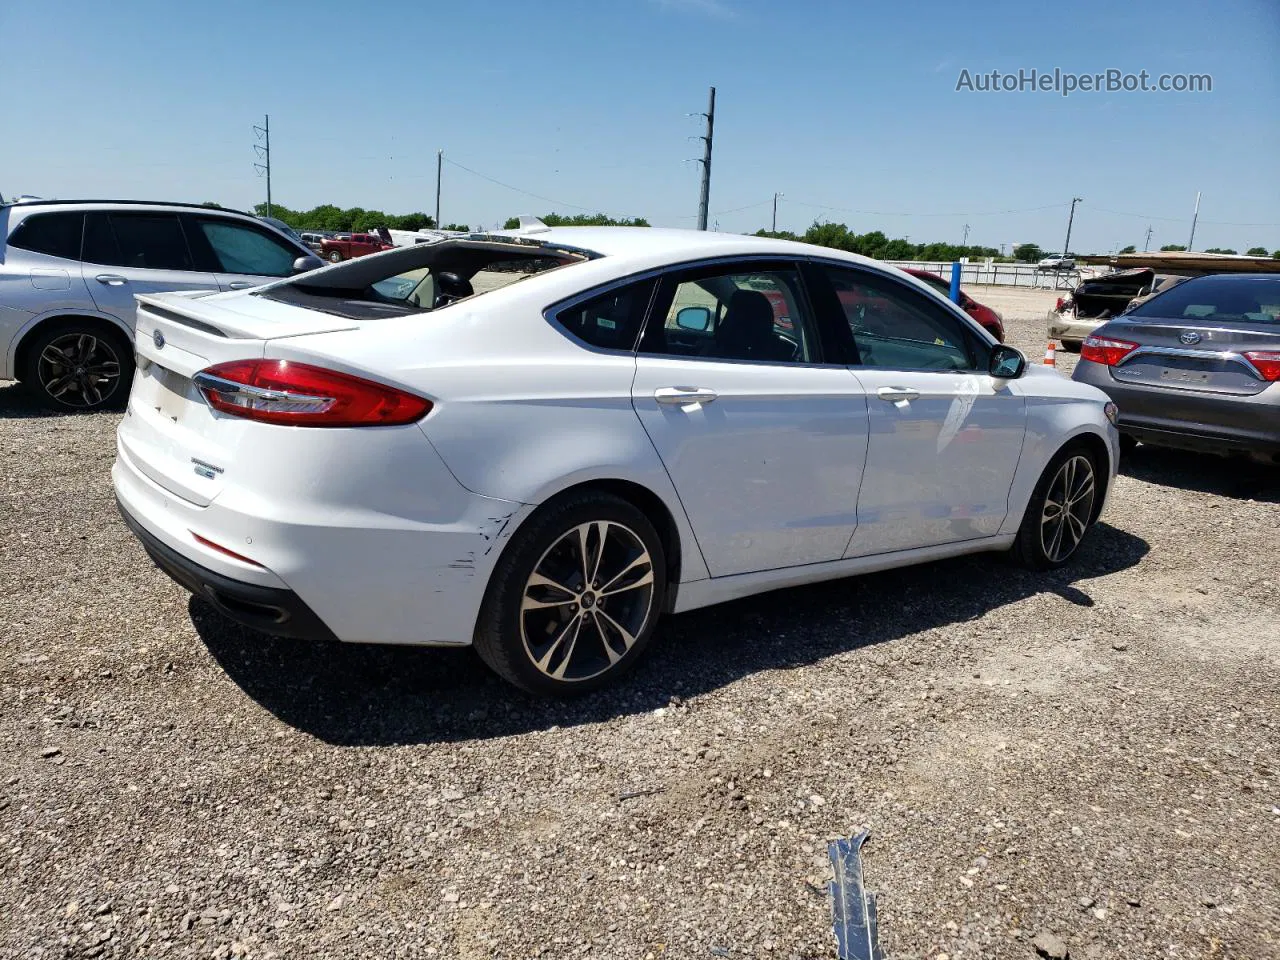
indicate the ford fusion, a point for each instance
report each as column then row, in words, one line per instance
column 539, row 442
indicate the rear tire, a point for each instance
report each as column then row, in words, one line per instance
column 1071, row 346
column 78, row 367
column 1061, row 510
column 575, row 597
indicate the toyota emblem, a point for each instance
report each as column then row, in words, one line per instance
column 158, row 339
column 1189, row 336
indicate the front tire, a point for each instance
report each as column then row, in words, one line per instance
column 1061, row 510
column 575, row 598
column 335, row 256
column 79, row 367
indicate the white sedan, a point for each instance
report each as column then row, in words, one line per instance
column 539, row 442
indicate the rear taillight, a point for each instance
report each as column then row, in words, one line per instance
column 1105, row 351
column 1266, row 362
column 300, row 395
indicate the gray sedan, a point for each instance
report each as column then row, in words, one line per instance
column 1195, row 367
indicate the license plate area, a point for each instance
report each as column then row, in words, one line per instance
column 1176, row 375
column 170, row 392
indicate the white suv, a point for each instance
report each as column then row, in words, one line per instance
column 69, row 270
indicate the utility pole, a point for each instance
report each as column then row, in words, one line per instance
column 1066, row 246
column 705, row 197
column 1194, row 217
column 263, row 150
column 774, row 228
column 1146, row 244
column 439, row 168
column 965, row 241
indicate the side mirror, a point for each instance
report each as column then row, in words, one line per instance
column 694, row 318
column 1006, row 362
column 303, row 264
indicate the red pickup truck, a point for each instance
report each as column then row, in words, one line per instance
column 346, row 246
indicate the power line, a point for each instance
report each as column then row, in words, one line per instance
column 1143, row 216
column 527, row 193
column 899, row 213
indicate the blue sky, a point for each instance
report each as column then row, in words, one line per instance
column 849, row 109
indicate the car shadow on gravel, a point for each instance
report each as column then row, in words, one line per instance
column 357, row 695
column 1235, row 477
column 19, row 403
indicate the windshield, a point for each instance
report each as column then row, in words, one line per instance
column 1237, row 299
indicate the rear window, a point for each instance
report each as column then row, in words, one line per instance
column 54, row 234
column 420, row 278
column 1216, row 299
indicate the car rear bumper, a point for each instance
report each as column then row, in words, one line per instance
column 1071, row 328
column 277, row 611
column 360, row 575
column 1191, row 419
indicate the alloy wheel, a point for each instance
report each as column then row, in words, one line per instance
column 587, row 600
column 1068, row 508
column 79, row 370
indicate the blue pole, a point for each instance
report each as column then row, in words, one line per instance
column 955, row 282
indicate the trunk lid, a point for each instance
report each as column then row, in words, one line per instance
column 169, row 433
column 1179, row 354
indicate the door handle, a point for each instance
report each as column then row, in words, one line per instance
column 239, row 285
column 897, row 394
column 684, row 395
column 111, row 279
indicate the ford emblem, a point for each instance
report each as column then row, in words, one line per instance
column 1189, row 336
column 158, row 339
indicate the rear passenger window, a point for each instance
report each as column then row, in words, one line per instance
column 54, row 234
column 153, row 241
column 612, row 320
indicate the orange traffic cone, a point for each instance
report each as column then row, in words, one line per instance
column 1049, row 352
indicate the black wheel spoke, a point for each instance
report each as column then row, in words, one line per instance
column 79, row 369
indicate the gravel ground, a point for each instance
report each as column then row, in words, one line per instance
column 1090, row 755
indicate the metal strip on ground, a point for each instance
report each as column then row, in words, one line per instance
column 853, row 909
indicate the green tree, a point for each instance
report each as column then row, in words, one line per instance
column 1129, row 249
column 328, row 217
column 581, row 220
column 1028, row 253
column 462, row 227
column 1256, row 252
column 1219, row 250
column 1172, row 248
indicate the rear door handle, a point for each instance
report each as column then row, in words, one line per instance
column 111, row 279
column 684, row 395
column 240, row 285
column 897, row 394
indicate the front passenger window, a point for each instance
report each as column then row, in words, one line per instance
column 897, row 328
column 241, row 249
